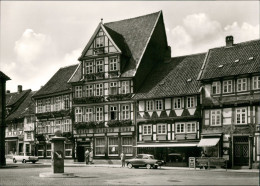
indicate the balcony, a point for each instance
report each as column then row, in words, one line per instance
column 119, row 97
column 88, row 125
column 60, row 113
column 86, row 100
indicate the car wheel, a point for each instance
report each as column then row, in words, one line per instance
column 155, row 167
column 129, row 165
column 14, row 160
column 148, row 166
column 24, row 161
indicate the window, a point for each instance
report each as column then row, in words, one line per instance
column 48, row 127
column 57, row 103
column 68, row 150
column 67, row 125
column 159, row 104
column 89, row 67
column 113, row 146
column 89, row 90
column 78, row 91
column 89, row 114
column 113, row 88
column 180, row 128
column 191, row 127
column 113, row 112
column 256, row 82
column 66, row 102
column 190, row 102
column 177, row 103
column 125, row 112
column 100, row 146
column 29, row 135
column 48, row 150
column 216, row 87
column 48, row 105
column 147, row 129
column 227, row 86
column 58, row 124
column 241, row 116
column 99, row 89
column 99, row 65
column 149, row 105
column 40, row 150
column 161, row 128
column 100, row 41
column 125, row 87
column 241, row 84
column 127, row 145
column 78, row 114
column 52, row 126
column 99, row 114
column 113, row 64
column 40, row 106
column 215, row 117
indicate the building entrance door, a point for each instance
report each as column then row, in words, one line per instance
column 241, row 151
column 81, row 153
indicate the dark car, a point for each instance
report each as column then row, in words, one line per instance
column 144, row 160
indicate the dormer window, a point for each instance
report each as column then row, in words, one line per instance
column 100, row 42
column 113, row 64
column 89, row 67
column 99, row 65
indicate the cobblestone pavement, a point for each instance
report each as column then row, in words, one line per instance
column 28, row 174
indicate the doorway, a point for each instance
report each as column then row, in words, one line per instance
column 241, row 151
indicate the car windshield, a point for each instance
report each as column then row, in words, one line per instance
column 150, row 157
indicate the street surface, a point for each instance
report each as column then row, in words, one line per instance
column 28, row 174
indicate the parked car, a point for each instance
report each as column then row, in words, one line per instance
column 25, row 158
column 144, row 160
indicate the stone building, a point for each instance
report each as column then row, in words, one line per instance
column 230, row 95
column 53, row 111
column 112, row 67
column 168, row 112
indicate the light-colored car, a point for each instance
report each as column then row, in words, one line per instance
column 144, row 160
column 25, row 158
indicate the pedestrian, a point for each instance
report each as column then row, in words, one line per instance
column 91, row 156
column 122, row 156
column 87, row 156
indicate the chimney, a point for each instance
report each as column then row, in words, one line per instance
column 229, row 41
column 8, row 91
column 20, row 88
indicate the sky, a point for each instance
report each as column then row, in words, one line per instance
column 38, row 38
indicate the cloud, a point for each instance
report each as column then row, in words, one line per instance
column 199, row 32
column 72, row 57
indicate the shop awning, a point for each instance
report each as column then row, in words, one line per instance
column 168, row 145
column 208, row 142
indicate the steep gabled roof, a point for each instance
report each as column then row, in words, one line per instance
column 231, row 61
column 27, row 107
column 174, row 78
column 3, row 76
column 58, row 82
column 13, row 98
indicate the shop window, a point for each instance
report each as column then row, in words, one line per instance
column 113, row 64
column 48, row 105
column 191, row 128
column 68, row 150
column 66, row 102
column 127, row 145
column 89, row 67
column 147, row 129
column 78, row 91
column 241, row 84
column 177, row 103
column 48, row 150
column 113, row 146
column 113, row 88
column 89, row 114
column 100, row 146
column 99, row 89
column 40, row 150
column 190, row 102
column 256, row 82
column 215, row 117
column 161, row 128
column 78, row 114
column 241, row 116
column 99, row 65
column 149, row 105
column 180, row 128
column 159, row 104
column 125, row 112
column 216, row 87
column 227, row 86
column 99, row 114
column 89, row 90
column 113, row 113
column 125, row 88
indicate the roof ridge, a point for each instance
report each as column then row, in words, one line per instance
column 235, row 44
column 200, row 53
column 133, row 17
column 68, row 66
